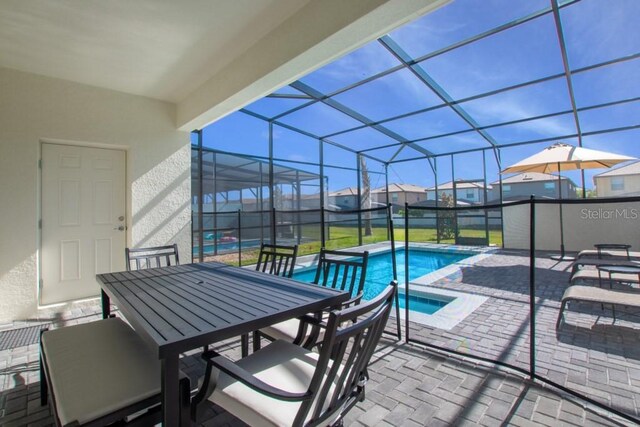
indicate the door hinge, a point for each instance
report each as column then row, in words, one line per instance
column 40, row 224
column 40, row 163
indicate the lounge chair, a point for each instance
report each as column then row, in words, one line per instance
column 597, row 295
column 596, row 275
column 287, row 385
column 336, row 269
column 610, row 250
column 579, row 263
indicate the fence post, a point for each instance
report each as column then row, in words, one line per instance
column 322, row 225
column 390, row 229
column 359, row 171
column 239, row 238
column 273, row 226
column 406, row 271
column 200, row 203
column 390, row 233
column 532, row 288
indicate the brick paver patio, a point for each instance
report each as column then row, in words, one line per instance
column 411, row 385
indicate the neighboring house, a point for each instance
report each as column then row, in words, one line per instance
column 542, row 185
column 621, row 181
column 470, row 192
column 347, row 198
column 307, row 201
column 399, row 194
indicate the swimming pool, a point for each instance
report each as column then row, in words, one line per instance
column 224, row 247
column 380, row 273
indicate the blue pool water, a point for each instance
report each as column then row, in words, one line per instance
column 226, row 247
column 380, row 273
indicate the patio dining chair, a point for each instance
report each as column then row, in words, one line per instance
column 342, row 270
column 157, row 256
column 287, row 385
column 102, row 372
column 277, row 259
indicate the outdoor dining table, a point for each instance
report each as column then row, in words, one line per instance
column 180, row 308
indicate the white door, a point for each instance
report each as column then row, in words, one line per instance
column 83, row 220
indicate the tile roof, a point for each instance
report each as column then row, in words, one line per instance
column 529, row 177
column 459, row 185
column 628, row 169
column 395, row 188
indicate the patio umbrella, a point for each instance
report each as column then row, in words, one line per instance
column 559, row 157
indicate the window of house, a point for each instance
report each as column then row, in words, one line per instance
column 506, row 188
column 549, row 185
column 617, row 183
column 470, row 194
column 394, row 197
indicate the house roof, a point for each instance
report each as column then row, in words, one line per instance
column 530, row 177
column 400, row 188
column 349, row 191
column 628, row 169
column 459, row 185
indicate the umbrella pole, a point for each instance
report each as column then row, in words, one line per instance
column 562, row 256
column 561, row 222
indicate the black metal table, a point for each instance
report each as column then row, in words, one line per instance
column 618, row 269
column 614, row 246
column 180, row 308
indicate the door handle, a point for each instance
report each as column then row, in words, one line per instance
column 121, row 228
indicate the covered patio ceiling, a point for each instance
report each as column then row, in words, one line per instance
column 207, row 58
column 471, row 77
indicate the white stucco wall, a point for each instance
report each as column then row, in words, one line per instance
column 35, row 109
column 585, row 224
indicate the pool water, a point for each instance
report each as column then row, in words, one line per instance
column 380, row 273
column 224, row 247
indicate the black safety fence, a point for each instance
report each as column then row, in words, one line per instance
column 494, row 290
column 531, row 306
column 234, row 237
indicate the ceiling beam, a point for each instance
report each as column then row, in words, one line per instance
column 320, row 32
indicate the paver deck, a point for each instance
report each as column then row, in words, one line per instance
column 411, row 385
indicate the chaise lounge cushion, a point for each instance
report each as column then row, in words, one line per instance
column 606, row 296
column 281, row 364
column 97, row 368
column 608, row 253
column 580, row 263
column 596, row 275
column 597, row 295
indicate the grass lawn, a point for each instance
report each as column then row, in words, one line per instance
column 347, row 237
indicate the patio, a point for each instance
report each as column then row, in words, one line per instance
column 334, row 125
column 411, row 385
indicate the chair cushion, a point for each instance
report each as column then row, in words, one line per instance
column 288, row 330
column 98, row 368
column 280, row 364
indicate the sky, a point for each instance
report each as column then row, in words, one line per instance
column 594, row 31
